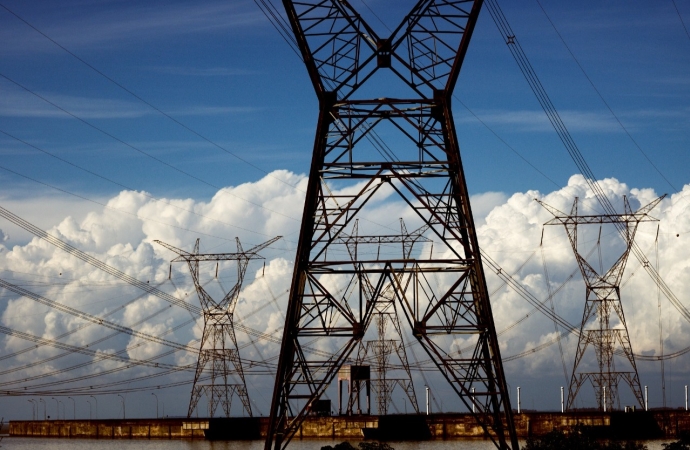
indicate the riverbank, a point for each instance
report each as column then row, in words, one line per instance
column 661, row 424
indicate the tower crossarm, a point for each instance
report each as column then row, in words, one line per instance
column 602, row 301
column 407, row 239
column 630, row 220
column 342, row 51
column 218, row 349
column 641, row 215
column 601, row 219
column 227, row 304
column 352, row 171
column 252, row 253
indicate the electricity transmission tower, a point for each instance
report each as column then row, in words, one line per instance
column 603, row 300
column 219, row 356
column 382, row 349
column 400, row 87
column 385, row 312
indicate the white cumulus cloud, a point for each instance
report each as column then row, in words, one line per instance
column 510, row 229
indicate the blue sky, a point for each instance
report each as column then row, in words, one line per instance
column 224, row 72
column 221, row 69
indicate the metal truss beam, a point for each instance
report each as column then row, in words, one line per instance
column 219, row 357
column 438, row 289
column 603, row 301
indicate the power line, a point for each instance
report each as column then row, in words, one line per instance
column 146, row 194
column 106, row 206
column 603, row 99
column 137, row 149
column 196, row 133
column 530, row 75
column 682, row 22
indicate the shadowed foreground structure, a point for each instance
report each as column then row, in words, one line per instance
column 666, row 424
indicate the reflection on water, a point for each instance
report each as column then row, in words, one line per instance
column 126, row 444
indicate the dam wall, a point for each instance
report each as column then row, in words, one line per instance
column 625, row 425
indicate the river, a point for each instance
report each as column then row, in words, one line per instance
column 103, row 444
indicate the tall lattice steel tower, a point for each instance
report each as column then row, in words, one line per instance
column 603, row 324
column 385, row 135
column 391, row 368
column 219, row 357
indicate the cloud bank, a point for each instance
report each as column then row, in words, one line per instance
column 510, row 228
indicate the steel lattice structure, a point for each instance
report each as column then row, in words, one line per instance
column 382, row 349
column 603, row 299
column 219, row 356
column 441, row 291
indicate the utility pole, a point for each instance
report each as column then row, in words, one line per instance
column 124, row 414
column 602, row 301
column 219, row 354
column 33, row 408
column 428, row 408
column 96, row 401
column 152, row 393
column 440, row 289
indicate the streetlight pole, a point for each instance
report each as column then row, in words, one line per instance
column 33, row 408
column 156, row 403
column 427, row 399
column 124, row 415
column 57, row 407
column 63, row 410
column 44, row 407
column 95, row 400
column 89, row 402
column 74, row 408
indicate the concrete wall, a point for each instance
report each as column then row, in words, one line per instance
column 105, row 429
column 662, row 424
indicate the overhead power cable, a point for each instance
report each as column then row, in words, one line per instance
column 89, row 391
column 682, row 22
column 133, row 94
column 568, row 142
column 137, row 149
column 89, row 345
column 146, row 287
column 82, row 350
column 91, row 318
column 279, row 23
column 116, row 183
column 74, row 330
column 135, row 215
column 194, row 310
column 601, row 97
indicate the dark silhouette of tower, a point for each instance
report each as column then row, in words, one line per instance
column 603, row 324
column 388, row 355
column 385, row 136
column 219, row 356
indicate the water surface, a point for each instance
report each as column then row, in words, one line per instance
column 20, row 443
